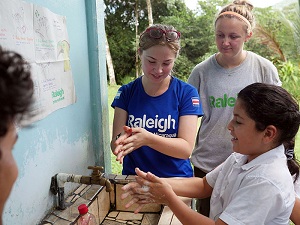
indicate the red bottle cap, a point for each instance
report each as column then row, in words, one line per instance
column 83, row 209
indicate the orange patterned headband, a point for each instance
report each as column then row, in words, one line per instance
column 236, row 15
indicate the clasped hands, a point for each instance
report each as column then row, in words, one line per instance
column 128, row 141
column 147, row 188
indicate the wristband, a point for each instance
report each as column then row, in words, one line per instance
column 118, row 136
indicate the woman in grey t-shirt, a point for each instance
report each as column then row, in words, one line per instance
column 218, row 80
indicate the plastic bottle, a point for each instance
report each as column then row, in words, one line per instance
column 85, row 218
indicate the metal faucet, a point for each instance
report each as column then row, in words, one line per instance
column 58, row 181
column 97, row 178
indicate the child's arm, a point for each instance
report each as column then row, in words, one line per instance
column 188, row 216
column 193, row 187
column 150, row 188
column 295, row 217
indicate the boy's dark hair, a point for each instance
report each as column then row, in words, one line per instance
column 268, row 104
column 16, row 88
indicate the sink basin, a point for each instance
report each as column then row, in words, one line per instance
column 108, row 207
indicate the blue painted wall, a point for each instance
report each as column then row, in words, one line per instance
column 69, row 139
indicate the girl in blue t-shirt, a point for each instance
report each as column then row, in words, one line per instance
column 155, row 118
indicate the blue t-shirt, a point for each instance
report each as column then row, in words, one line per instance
column 159, row 115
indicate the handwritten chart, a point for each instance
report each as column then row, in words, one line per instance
column 41, row 37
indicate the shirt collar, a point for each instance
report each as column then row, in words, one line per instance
column 264, row 158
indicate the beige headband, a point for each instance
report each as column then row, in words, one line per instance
column 237, row 15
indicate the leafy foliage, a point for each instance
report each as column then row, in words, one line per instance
column 290, row 77
column 120, row 28
column 277, row 36
column 275, row 30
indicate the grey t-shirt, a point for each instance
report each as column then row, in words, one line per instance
column 218, row 88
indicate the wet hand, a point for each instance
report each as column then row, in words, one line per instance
column 132, row 139
column 158, row 187
column 119, row 143
column 148, row 188
column 138, row 138
column 137, row 194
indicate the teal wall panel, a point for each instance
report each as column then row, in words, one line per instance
column 71, row 138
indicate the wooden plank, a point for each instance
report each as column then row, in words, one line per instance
column 104, row 204
column 94, row 209
column 130, row 178
column 120, row 177
column 108, row 222
column 150, row 219
column 175, row 221
column 128, row 216
column 166, row 216
column 113, row 214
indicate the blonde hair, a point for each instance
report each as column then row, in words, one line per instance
column 146, row 41
column 243, row 8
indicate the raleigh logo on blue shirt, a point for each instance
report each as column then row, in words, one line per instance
column 161, row 124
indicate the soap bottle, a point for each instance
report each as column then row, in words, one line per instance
column 86, row 218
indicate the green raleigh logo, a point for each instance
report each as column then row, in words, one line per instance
column 222, row 102
column 58, row 95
